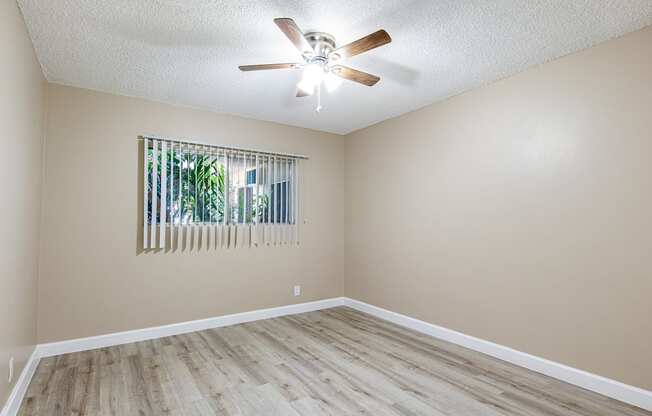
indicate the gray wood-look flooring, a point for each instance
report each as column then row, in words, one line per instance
column 332, row 362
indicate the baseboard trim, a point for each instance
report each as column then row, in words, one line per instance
column 101, row 341
column 17, row 394
column 602, row 385
column 118, row 338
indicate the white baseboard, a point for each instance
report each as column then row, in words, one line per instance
column 602, row 385
column 20, row 388
column 82, row 344
column 117, row 338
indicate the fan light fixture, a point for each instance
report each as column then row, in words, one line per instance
column 332, row 82
column 313, row 75
column 316, row 73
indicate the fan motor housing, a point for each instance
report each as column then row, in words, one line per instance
column 322, row 43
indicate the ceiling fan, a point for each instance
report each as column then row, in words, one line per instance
column 321, row 58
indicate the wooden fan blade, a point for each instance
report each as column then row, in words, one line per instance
column 292, row 31
column 355, row 75
column 301, row 93
column 263, row 67
column 365, row 44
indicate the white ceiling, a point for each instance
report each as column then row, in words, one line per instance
column 186, row 52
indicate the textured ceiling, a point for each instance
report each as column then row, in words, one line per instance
column 186, row 52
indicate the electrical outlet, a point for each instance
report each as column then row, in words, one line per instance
column 11, row 370
column 297, row 291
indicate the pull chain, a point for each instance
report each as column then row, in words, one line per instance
column 319, row 107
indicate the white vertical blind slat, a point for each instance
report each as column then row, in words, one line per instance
column 236, row 202
column 286, row 194
column 195, row 221
column 164, row 193
column 256, row 192
column 293, row 214
column 290, row 229
column 276, row 200
column 280, row 180
column 207, row 200
column 286, row 168
column 245, row 206
column 185, row 195
column 242, row 224
column 227, row 218
column 297, row 219
column 218, row 220
column 179, row 199
column 171, row 207
column 235, row 214
column 208, row 226
column 262, row 205
column 154, row 193
column 194, row 190
column 146, row 194
column 201, row 199
column 273, row 191
column 220, row 226
column 254, row 219
column 180, row 195
column 227, row 215
column 279, row 202
column 241, row 208
column 189, row 196
column 268, row 179
column 270, row 234
column 243, row 228
column 199, row 185
column 214, row 167
column 293, row 222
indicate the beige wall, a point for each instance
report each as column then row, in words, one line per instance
column 94, row 280
column 517, row 213
column 21, row 122
column 520, row 212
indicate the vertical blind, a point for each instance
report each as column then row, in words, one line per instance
column 209, row 197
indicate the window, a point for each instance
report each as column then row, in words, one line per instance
column 195, row 185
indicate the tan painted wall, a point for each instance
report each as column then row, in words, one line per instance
column 520, row 212
column 93, row 278
column 21, row 120
column 517, row 213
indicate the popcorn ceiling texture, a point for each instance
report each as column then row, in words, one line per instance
column 186, row 52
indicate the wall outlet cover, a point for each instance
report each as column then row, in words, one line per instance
column 297, row 291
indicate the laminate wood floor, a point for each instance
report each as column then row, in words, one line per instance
column 332, row 362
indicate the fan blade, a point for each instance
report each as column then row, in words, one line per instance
column 268, row 66
column 355, row 75
column 301, row 93
column 365, row 44
column 292, row 31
